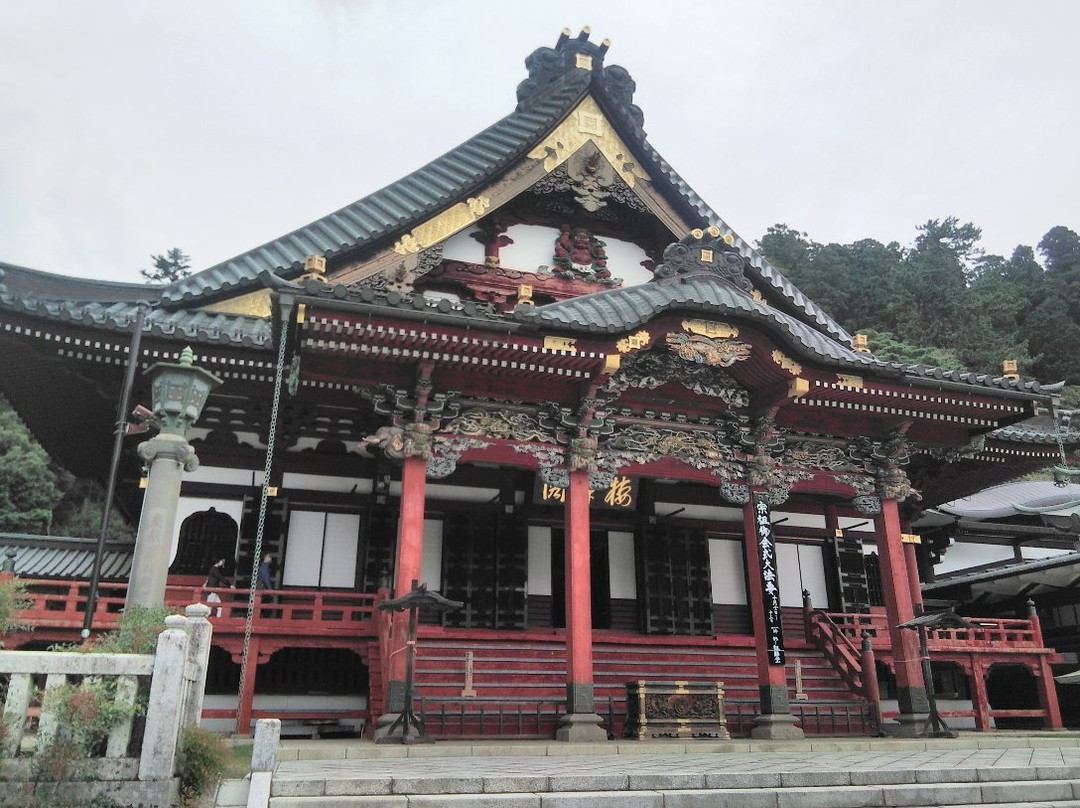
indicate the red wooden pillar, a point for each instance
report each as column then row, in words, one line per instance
column 980, row 702
column 775, row 720
column 410, row 547
column 910, row 690
column 581, row 722
column 247, row 697
column 1047, row 687
column 911, row 563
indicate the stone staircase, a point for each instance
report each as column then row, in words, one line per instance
column 974, row 770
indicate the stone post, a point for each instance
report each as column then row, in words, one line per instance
column 263, row 761
column 179, row 393
column 162, row 732
column 199, row 632
column 167, row 456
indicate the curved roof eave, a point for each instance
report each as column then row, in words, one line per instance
column 621, row 309
column 400, row 205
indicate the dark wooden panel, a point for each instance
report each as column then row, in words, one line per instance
column 732, row 619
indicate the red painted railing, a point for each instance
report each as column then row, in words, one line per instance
column 985, row 632
column 62, row 605
column 838, row 648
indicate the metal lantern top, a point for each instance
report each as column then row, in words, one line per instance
column 179, row 392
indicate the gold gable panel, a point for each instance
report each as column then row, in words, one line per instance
column 253, row 304
column 585, row 124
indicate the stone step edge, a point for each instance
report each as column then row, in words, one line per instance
column 657, row 799
column 743, row 782
column 330, row 750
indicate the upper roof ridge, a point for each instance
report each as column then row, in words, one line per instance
column 613, row 83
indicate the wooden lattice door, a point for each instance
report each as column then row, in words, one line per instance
column 676, row 582
column 485, row 565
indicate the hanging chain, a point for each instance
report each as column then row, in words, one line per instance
column 270, row 440
column 1064, row 422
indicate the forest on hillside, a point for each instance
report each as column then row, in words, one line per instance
column 942, row 301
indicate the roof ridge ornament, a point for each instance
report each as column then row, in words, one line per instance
column 705, row 252
column 613, row 83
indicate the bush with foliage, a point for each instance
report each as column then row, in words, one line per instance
column 87, row 712
column 136, row 632
column 13, row 600
column 203, row 758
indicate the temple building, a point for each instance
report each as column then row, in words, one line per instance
column 542, row 377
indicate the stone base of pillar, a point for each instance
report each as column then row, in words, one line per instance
column 907, row 725
column 776, row 727
column 580, row 728
column 387, row 732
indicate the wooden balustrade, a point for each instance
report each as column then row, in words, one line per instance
column 62, row 605
column 839, row 648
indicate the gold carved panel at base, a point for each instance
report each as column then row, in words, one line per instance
column 676, row 710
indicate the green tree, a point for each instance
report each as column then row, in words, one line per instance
column 28, row 490
column 172, row 266
column 887, row 347
column 1053, row 325
column 78, row 514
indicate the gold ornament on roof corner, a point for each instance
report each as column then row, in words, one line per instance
column 1010, row 370
column 860, row 343
column 633, row 342
column 787, row 363
column 314, row 269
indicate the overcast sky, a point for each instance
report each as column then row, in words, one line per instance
column 127, row 128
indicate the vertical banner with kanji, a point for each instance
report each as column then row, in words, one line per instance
column 770, row 583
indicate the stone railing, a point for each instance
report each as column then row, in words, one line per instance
column 176, row 673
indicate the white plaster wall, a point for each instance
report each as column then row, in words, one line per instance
column 340, row 549
column 816, row 520
column 787, row 569
column 962, row 555
column 324, row 482
column 534, row 246
column 622, row 572
column 303, row 552
column 801, row 566
column 463, row 247
column 812, row 568
column 726, row 571
column 1042, row 552
column 190, row 505
column 224, row 476
column 539, row 572
column 705, row 513
column 431, row 554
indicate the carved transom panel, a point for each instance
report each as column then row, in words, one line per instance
column 650, row 370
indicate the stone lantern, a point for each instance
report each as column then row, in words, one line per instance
column 179, row 392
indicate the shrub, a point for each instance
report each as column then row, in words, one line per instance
column 136, row 632
column 13, row 600
column 87, row 712
column 203, row 758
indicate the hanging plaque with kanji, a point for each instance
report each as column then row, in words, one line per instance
column 770, row 582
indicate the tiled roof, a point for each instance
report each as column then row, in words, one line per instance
column 395, row 208
column 1000, row 501
column 554, row 87
column 45, row 557
column 621, row 309
column 113, row 306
